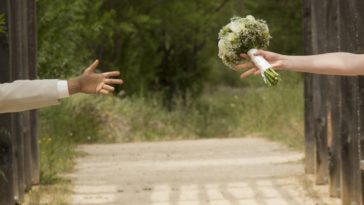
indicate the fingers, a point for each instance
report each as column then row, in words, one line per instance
column 263, row 53
column 260, row 53
column 99, row 87
column 108, row 88
column 249, row 72
column 270, row 56
column 105, row 92
column 92, row 67
column 111, row 74
column 274, row 58
column 113, row 81
column 277, row 65
column 245, row 65
column 104, row 89
column 244, row 55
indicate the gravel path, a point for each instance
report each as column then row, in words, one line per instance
column 245, row 171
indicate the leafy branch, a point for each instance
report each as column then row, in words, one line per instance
column 222, row 4
column 2, row 22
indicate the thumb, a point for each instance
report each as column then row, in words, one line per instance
column 261, row 53
column 268, row 55
column 92, row 67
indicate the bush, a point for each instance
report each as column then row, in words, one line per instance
column 219, row 112
column 61, row 129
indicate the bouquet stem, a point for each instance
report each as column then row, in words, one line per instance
column 269, row 75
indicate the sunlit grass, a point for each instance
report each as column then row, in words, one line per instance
column 274, row 113
column 57, row 194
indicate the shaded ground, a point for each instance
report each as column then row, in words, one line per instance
column 245, row 171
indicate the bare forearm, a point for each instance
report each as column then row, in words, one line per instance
column 330, row 64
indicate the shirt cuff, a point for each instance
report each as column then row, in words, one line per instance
column 62, row 87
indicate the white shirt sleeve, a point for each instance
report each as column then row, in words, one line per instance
column 62, row 86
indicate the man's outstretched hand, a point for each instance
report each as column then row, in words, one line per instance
column 94, row 83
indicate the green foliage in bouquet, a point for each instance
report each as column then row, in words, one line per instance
column 241, row 35
column 272, row 77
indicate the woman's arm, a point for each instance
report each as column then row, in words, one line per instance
column 347, row 64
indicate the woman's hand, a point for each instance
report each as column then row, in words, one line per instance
column 94, row 83
column 276, row 60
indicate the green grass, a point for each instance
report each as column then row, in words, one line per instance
column 57, row 194
column 61, row 129
column 275, row 113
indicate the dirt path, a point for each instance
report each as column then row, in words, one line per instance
column 244, row 171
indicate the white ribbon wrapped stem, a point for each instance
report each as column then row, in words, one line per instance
column 260, row 62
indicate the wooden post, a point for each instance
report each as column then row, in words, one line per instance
column 319, row 94
column 32, row 55
column 331, row 32
column 6, row 144
column 308, row 104
column 334, row 135
column 319, row 101
column 18, row 143
column 350, row 128
column 361, row 119
column 16, row 65
column 350, row 170
column 360, row 49
column 6, row 152
column 26, row 131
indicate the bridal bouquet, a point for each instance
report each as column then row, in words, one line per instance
column 246, row 35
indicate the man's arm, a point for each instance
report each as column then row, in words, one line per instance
column 346, row 64
column 27, row 95
column 33, row 94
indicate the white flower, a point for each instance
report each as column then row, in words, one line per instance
column 236, row 26
column 250, row 17
column 222, row 45
column 231, row 37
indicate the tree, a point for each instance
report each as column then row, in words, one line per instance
column 285, row 20
column 68, row 31
column 164, row 46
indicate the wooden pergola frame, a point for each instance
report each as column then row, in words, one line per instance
column 18, row 135
column 334, row 106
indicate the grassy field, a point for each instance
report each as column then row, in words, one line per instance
column 220, row 112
